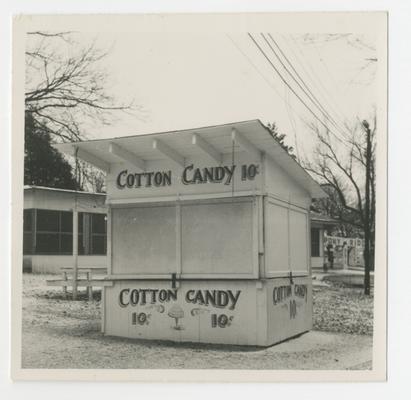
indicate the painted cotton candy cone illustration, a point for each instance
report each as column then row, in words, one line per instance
column 176, row 312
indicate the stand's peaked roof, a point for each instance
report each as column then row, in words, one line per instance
column 212, row 141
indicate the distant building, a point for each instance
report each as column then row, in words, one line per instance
column 349, row 252
column 48, row 229
column 319, row 224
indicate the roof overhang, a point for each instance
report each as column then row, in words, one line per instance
column 52, row 189
column 323, row 220
column 212, row 142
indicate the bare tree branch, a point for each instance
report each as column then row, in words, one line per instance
column 342, row 171
column 65, row 87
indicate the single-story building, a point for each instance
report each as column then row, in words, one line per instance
column 48, row 233
column 348, row 251
column 319, row 225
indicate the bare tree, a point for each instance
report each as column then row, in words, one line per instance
column 66, row 88
column 348, row 224
column 66, row 85
column 90, row 178
column 343, row 166
column 364, row 45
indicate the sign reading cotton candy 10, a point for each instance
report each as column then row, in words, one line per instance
column 208, row 235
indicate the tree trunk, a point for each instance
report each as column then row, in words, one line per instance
column 367, row 226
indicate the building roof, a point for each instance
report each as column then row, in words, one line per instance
column 179, row 144
column 322, row 218
column 28, row 187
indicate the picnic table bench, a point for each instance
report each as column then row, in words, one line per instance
column 85, row 278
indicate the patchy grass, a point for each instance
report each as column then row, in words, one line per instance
column 338, row 308
column 348, row 280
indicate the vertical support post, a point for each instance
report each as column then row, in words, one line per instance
column 256, row 238
column 308, row 244
column 103, row 309
column 261, row 238
column 75, row 230
column 263, row 168
column 367, row 225
column 109, row 266
column 75, row 249
column 178, row 241
column 288, row 235
column 65, row 287
column 109, row 234
column 89, row 288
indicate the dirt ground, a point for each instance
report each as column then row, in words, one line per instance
column 59, row 333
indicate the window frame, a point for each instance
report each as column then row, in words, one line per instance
column 318, row 242
column 86, row 234
column 30, row 243
column 59, row 233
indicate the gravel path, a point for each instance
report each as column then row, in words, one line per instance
column 66, row 334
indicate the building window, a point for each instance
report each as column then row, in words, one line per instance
column 51, row 232
column 92, row 234
column 315, row 242
column 54, row 232
column 28, row 231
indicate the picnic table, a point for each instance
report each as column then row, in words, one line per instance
column 85, row 278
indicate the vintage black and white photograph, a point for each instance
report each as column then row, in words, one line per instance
column 200, row 193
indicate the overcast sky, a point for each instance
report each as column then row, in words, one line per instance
column 185, row 81
column 191, row 80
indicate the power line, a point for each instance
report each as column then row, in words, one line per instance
column 292, row 121
column 288, row 85
column 285, row 98
column 312, row 75
column 307, row 93
column 259, row 72
column 254, row 66
column 336, row 85
column 310, row 94
column 288, row 106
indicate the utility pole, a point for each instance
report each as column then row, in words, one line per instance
column 75, row 234
column 367, row 225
